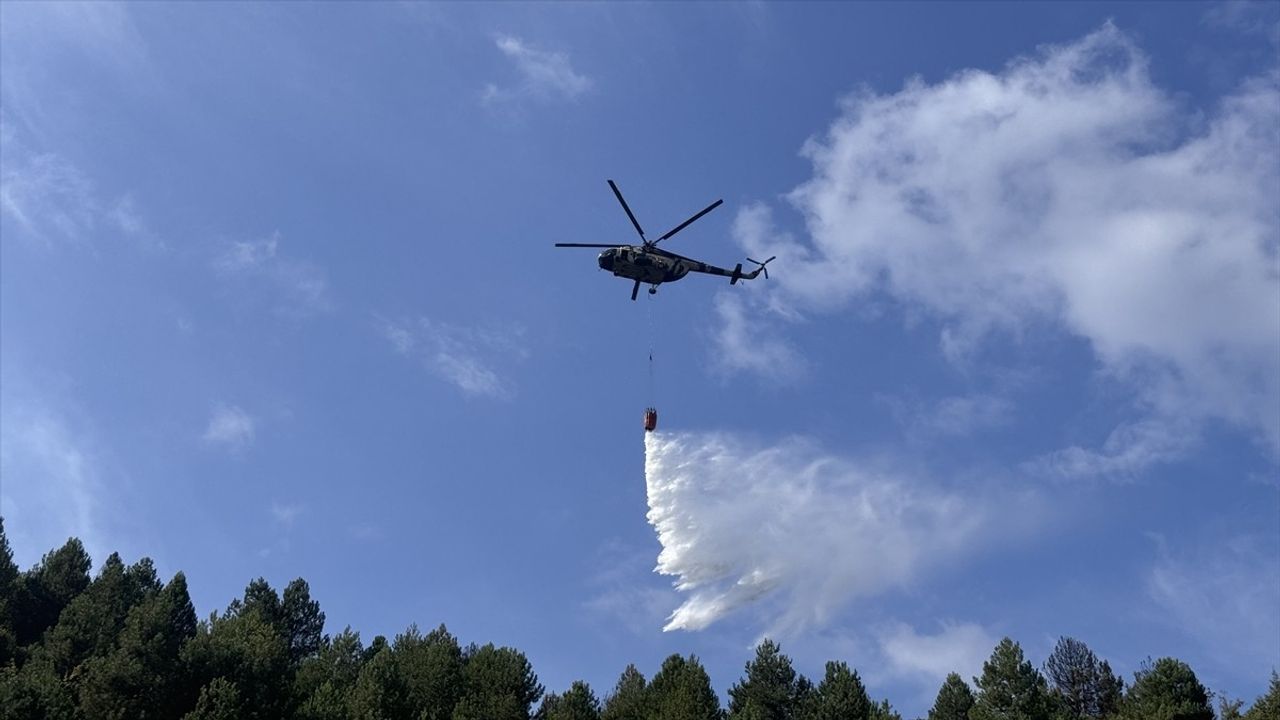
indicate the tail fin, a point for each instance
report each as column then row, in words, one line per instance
column 737, row 274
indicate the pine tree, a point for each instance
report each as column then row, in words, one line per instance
column 840, row 696
column 1010, row 688
column 46, row 589
column 219, row 700
column 681, row 690
column 498, row 684
column 954, row 700
column 244, row 648
column 770, row 690
column 1267, row 707
column 324, row 682
column 1166, row 690
column 884, row 711
column 8, row 585
column 141, row 676
column 301, row 620
column 432, row 671
column 380, row 693
column 1084, row 686
column 577, row 703
column 628, row 699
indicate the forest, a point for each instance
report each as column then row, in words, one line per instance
column 122, row 644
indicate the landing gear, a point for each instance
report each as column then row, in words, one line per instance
column 653, row 290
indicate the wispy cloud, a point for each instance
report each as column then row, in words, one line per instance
column 51, row 200
column 746, row 344
column 297, row 288
column 466, row 357
column 50, row 472
column 230, row 427
column 621, row 593
column 543, row 74
column 958, row 647
column 1225, row 597
column 285, row 513
column 953, row 416
column 799, row 532
column 1057, row 193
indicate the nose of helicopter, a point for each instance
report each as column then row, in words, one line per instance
column 606, row 260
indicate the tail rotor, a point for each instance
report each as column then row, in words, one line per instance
column 762, row 265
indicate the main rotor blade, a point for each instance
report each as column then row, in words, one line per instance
column 583, row 245
column 626, row 207
column 686, row 223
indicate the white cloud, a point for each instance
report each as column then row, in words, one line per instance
column 298, row 288
column 802, row 530
column 743, row 344
column 1059, row 191
column 1225, row 597
column 959, row 648
column 285, row 513
column 52, row 487
column 954, row 416
column 464, row 357
column 50, row 199
column 229, row 426
column 543, row 74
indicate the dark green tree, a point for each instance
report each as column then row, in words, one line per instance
column 219, row 700
column 1229, row 709
column 35, row 692
column 9, row 576
column 884, row 711
column 1166, row 690
column 628, row 699
column 769, row 690
column 432, row 669
column 1010, row 688
column 241, row 646
column 954, row 700
column 324, row 682
column 1084, row 686
column 47, row 588
column 302, row 623
column 681, row 690
column 142, row 676
column 91, row 624
column 380, row 693
column 498, row 684
column 1267, row 707
column 839, row 696
column 577, row 703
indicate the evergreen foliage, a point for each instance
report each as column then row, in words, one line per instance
column 577, row 703
column 840, row 696
column 123, row 645
column 629, row 698
column 1010, row 688
column 1083, row 685
column 954, row 700
column 681, row 690
column 1267, row 707
column 1166, row 690
column 770, row 690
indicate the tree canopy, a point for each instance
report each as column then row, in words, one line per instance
column 124, row 644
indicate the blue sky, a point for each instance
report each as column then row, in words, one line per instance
column 279, row 298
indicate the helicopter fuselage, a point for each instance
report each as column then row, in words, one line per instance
column 647, row 265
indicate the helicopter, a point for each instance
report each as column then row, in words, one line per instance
column 647, row 263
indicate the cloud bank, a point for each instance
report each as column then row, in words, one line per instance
column 798, row 528
column 1067, row 191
